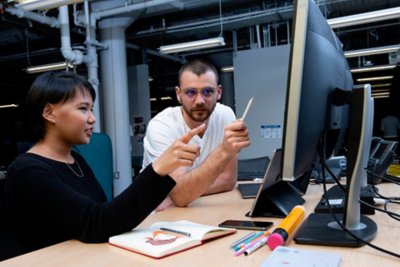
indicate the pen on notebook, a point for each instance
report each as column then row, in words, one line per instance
column 256, row 246
column 242, row 239
column 247, row 109
column 245, row 242
column 175, row 231
column 242, row 250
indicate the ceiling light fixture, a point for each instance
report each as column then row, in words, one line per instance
column 195, row 45
column 49, row 67
column 380, row 85
column 375, row 78
column 227, row 69
column 382, row 90
column 9, row 106
column 372, row 51
column 29, row 5
column 381, row 95
column 363, row 18
column 375, row 68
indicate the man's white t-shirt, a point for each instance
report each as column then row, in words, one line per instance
column 167, row 126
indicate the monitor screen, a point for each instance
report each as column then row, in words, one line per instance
column 317, row 68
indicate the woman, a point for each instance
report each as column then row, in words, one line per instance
column 51, row 192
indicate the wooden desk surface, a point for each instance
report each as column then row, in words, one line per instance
column 213, row 210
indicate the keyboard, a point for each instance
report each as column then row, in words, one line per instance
column 247, row 175
column 249, row 190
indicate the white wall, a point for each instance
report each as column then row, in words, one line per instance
column 262, row 74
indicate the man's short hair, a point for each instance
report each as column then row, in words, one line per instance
column 198, row 67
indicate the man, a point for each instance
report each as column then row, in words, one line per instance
column 390, row 126
column 215, row 170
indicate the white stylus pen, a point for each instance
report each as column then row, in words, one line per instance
column 247, row 109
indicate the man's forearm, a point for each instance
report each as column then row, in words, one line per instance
column 195, row 183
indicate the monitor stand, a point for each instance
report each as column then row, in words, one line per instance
column 322, row 229
column 326, row 229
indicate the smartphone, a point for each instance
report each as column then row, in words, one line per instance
column 248, row 225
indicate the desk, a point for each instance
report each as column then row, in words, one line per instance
column 213, row 210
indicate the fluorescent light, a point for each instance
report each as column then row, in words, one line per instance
column 372, row 51
column 380, row 85
column 375, row 68
column 379, row 78
column 153, row 99
column 9, row 106
column 363, row 18
column 29, row 5
column 381, row 95
column 227, row 69
column 383, row 90
column 194, row 45
column 48, row 67
column 166, row 98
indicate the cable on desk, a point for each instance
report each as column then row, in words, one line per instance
column 395, row 200
column 388, row 200
column 394, row 215
column 322, row 161
column 388, row 179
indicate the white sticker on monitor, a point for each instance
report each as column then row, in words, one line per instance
column 271, row 131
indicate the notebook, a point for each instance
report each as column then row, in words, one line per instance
column 250, row 190
column 166, row 238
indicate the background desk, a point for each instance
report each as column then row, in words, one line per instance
column 213, row 210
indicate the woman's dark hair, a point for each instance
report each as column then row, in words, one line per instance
column 52, row 88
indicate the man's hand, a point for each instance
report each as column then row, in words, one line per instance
column 236, row 137
column 179, row 154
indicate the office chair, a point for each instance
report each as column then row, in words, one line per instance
column 98, row 154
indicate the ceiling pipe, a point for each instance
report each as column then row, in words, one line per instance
column 92, row 64
column 129, row 8
column 52, row 22
column 75, row 57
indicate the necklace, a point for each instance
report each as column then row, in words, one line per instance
column 80, row 174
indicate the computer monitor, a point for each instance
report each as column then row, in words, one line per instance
column 319, row 82
column 318, row 75
column 317, row 69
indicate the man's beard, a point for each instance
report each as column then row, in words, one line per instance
column 205, row 113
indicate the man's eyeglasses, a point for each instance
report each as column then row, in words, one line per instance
column 192, row 93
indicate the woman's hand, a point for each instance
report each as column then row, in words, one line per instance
column 179, row 154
